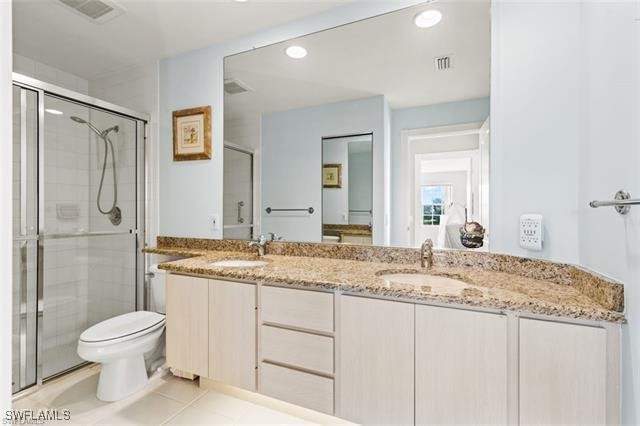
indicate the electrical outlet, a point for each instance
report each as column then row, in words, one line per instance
column 531, row 231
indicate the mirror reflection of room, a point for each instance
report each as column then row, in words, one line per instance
column 346, row 189
column 418, row 93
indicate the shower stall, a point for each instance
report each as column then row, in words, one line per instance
column 79, row 216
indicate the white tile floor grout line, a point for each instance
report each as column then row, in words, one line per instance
column 185, row 407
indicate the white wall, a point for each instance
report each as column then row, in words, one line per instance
column 196, row 78
column 292, row 162
column 608, row 161
column 46, row 73
column 360, row 186
column 535, row 126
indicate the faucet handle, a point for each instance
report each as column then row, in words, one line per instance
column 274, row 237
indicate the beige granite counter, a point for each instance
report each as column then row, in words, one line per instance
column 553, row 289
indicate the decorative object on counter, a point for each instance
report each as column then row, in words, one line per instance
column 192, row 134
column 471, row 233
column 332, row 175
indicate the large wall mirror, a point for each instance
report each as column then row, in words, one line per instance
column 376, row 132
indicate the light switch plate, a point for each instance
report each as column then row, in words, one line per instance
column 531, row 231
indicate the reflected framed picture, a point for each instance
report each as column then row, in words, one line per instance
column 332, row 175
column 192, row 134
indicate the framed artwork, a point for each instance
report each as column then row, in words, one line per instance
column 192, row 134
column 332, row 176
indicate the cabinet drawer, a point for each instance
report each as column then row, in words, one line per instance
column 296, row 348
column 297, row 308
column 296, row 387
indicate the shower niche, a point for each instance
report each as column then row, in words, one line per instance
column 79, row 172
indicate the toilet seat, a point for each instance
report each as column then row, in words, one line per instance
column 123, row 328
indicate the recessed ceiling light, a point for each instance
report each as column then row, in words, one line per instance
column 296, row 52
column 53, row 111
column 241, row 1
column 428, row 18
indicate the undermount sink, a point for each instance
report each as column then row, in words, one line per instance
column 238, row 263
column 435, row 283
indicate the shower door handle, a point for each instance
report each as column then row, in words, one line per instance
column 23, row 162
column 240, row 206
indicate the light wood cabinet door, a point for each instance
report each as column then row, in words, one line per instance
column 232, row 333
column 562, row 373
column 461, row 367
column 376, row 373
column 187, row 324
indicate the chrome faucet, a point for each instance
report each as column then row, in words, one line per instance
column 261, row 243
column 426, row 253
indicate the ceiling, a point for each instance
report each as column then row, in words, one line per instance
column 47, row 31
column 387, row 55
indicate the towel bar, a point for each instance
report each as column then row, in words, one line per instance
column 622, row 202
column 310, row 210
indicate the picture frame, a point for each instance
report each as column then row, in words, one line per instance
column 332, row 175
column 192, row 134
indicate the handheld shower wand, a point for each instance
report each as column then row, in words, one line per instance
column 115, row 214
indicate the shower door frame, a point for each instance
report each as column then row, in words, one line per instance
column 142, row 162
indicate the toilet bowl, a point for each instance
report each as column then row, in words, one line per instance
column 125, row 345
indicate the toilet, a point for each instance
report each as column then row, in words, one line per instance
column 127, row 345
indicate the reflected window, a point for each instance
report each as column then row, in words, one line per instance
column 434, row 200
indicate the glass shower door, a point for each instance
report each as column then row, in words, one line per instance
column 25, row 237
column 89, row 225
column 238, row 193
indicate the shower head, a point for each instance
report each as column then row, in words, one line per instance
column 102, row 133
column 78, row 120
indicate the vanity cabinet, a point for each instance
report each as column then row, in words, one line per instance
column 376, row 353
column 187, row 324
column 297, row 347
column 563, row 373
column 461, row 367
column 232, row 333
column 375, row 361
column 211, row 329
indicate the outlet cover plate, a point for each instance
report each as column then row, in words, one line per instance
column 531, row 232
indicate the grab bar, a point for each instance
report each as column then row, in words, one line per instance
column 622, row 202
column 310, row 210
column 240, row 205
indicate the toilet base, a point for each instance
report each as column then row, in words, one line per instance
column 121, row 378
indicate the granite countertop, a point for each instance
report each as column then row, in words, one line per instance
column 461, row 285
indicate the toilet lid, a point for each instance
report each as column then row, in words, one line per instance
column 123, row 326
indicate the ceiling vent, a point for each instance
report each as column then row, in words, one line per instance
column 233, row 86
column 99, row 11
column 442, row 63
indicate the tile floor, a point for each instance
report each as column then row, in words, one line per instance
column 165, row 400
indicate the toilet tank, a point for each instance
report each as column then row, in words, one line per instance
column 157, row 288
